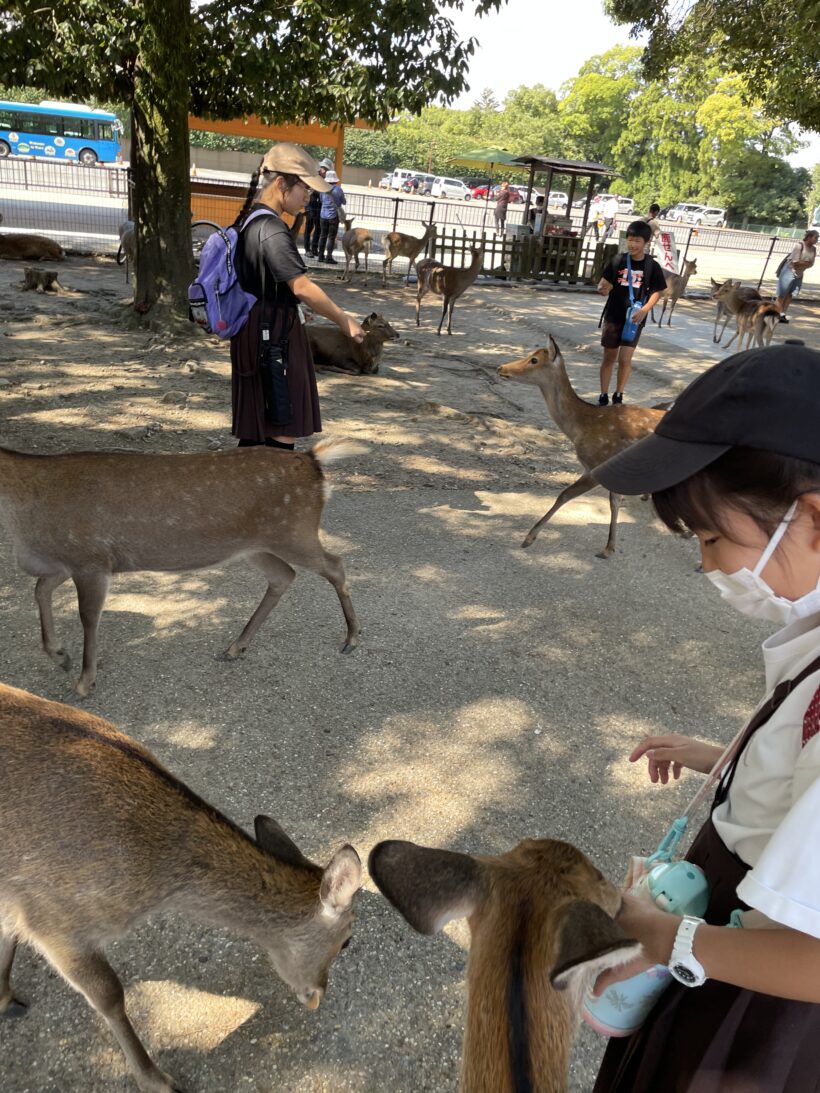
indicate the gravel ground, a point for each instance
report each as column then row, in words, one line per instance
column 495, row 695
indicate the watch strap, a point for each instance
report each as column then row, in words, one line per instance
column 683, row 964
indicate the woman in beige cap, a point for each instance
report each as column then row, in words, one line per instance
column 274, row 394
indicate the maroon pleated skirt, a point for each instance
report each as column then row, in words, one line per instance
column 247, row 400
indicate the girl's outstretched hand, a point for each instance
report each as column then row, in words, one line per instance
column 675, row 752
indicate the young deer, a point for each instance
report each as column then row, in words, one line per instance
column 331, row 348
column 88, row 515
column 447, row 282
column 355, row 241
column 124, row 839
column 596, row 432
column 675, row 288
column 399, row 245
column 729, row 297
column 541, row 930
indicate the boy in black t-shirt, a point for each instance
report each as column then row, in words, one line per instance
column 648, row 284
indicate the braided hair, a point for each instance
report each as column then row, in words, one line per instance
column 253, row 187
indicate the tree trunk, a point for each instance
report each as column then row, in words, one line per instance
column 160, row 159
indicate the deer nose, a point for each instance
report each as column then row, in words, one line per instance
column 311, row 999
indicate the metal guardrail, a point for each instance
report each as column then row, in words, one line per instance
column 41, row 174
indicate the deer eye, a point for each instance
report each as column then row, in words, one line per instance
column 533, row 360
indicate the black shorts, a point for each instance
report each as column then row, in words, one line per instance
column 612, row 335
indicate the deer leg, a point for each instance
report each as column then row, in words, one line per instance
column 280, row 575
column 737, row 331
column 365, row 268
column 671, row 309
column 332, row 568
column 581, row 485
column 90, row 973
column 441, row 320
column 92, row 590
column 419, row 295
column 614, row 506
column 9, row 1005
column 450, row 316
column 43, row 591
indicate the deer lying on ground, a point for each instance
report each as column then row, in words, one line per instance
column 32, row 248
column 597, row 432
column 88, row 515
column 541, row 930
column 448, row 282
column 399, row 245
column 355, row 241
column 675, row 288
column 124, row 839
column 333, row 349
column 729, row 296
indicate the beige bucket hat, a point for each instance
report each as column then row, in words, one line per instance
column 290, row 159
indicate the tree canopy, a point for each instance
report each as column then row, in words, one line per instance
column 774, row 44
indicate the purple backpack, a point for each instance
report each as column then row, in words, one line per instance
column 216, row 300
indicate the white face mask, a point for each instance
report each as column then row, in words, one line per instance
column 749, row 594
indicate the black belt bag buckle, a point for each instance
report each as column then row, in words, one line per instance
column 273, row 371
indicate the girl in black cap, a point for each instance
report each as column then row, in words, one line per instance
column 737, row 462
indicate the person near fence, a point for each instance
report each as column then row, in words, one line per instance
column 269, row 266
column 332, row 203
column 313, row 211
column 609, row 211
column 653, row 219
column 502, row 200
column 648, row 283
column 736, row 461
column 790, row 276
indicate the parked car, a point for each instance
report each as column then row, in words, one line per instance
column 450, row 187
column 705, row 214
column 471, row 183
column 557, row 199
column 679, row 211
column 423, row 183
column 385, row 182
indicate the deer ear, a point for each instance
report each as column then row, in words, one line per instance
column 589, row 941
column 554, row 350
column 341, row 880
column 273, row 840
column 428, row 887
column 373, row 315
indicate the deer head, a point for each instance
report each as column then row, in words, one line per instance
column 377, row 324
column 302, row 953
column 532, row 368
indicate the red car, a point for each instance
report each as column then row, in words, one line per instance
column 480, row 192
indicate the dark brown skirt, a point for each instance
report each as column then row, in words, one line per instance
column 717, row 1038
column 246, row 386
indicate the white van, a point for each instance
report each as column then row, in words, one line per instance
column 400, row 176
column 451, row 187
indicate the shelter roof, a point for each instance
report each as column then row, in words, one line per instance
column 563, row 166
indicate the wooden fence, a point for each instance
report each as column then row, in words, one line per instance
column 557, row 258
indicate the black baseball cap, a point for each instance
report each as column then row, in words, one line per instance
column 764, row 398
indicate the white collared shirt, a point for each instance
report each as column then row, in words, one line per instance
column 771, row 819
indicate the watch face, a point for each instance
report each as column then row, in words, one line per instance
column 684, row 974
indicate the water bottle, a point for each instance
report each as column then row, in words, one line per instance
column 680, row 888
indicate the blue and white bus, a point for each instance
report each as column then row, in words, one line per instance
column 59, row 131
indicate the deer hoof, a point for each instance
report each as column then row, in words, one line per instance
column 233, row 652
column 606, row 553
column 83, row 687
column 349, row 646
column 60, row 658
column 14, row 1008
column 528, row 542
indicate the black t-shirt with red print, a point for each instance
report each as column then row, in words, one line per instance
column 616, row 271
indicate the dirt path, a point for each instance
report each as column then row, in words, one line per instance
column 495, row 694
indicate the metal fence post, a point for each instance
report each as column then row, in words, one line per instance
column 396, row 201
column 688, row 241
column 765, row 264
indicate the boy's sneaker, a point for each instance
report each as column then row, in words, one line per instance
column 603, row 399
column 617, row 398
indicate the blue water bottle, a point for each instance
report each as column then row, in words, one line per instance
column 680, row 888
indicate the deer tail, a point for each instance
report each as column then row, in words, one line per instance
column 333, row 450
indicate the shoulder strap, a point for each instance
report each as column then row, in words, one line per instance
column 766, row 711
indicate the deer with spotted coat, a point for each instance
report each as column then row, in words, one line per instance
column 597, row 433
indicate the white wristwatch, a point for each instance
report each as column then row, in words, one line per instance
column 682, row 963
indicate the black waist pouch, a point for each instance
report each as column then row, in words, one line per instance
column 273, row 372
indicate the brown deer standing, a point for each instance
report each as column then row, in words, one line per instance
column 355, row 241
column 88, row 515
column 541, row 930
column 597, row 432
column 675, row 288
column 729, row 297
column 96, row 835
column 448, row 282
column 399, row 245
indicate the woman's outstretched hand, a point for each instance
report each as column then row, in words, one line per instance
column 675, row 752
